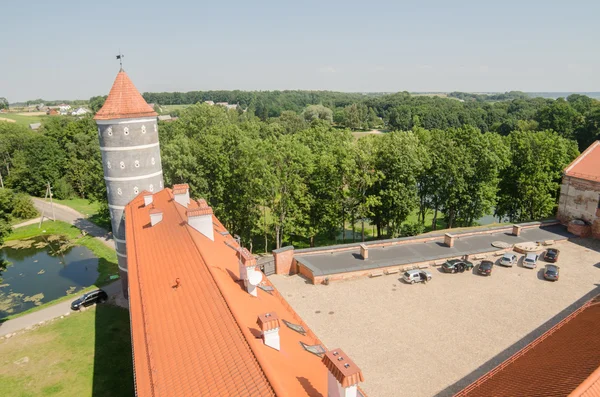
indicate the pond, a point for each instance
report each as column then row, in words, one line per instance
column 42, row 269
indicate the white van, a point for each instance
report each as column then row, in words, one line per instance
column 416, row 276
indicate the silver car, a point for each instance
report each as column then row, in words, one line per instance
column 508, row 259
column 416, row 276
column 530, row 260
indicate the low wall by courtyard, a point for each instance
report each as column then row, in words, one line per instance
column 297, row 261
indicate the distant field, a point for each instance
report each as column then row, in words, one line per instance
column 168, row 108
column 24, row 118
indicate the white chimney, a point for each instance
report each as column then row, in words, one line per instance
column 155, row 216
column 252, row 277
column 147, row 199
column 344, row 375
column 269, row 325
column 181, row 193
column 201, row 219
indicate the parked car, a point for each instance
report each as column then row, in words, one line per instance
column 485, row 268
column 551, row 272
column 457, row 266
column 508, row 259
column 530, row 260
column 416, row 276
column 89, row 299
column 551, row 255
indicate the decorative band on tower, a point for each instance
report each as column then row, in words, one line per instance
column 128, row 134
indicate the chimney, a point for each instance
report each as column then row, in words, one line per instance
column 147, row 199
column 269, row 325
column 343, row 375
column 201, row 220
column 181, row 193
column 155, row 216
column 248, row 272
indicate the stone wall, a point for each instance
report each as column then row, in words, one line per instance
column 578, row 200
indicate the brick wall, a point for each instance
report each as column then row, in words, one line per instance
column 284, row 261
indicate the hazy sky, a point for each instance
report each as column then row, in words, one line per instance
column 67, row 50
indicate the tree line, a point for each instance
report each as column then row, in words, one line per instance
column 301, row 176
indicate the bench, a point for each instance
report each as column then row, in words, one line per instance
column 548, row 242
column 478, row 257
column 392, row 271
column 498, row 253
column 376, row 274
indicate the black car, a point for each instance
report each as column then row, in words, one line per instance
column 551, row 255
column 88, row 299
column 485, row 268
column 456, row 266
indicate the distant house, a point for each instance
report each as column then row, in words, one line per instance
column 35, row 126
column 64, row 108
column 52, row 112
column 227, row 105
column 211, row 103
column 80, row 112
column 222, row 103
column 164, row 117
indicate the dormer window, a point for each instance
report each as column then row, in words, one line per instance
column 296, row 327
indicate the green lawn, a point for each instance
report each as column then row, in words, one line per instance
column 84, row 206
column 23, row 119
column 168, row 108
column 85, row 354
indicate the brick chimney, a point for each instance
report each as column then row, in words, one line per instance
column 269, row 325
column 148, row 199
column 248, row 272
column 201, row 219
column 156, row 216
column 344, row 375
column 181, row 193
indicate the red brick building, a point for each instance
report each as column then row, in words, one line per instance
column 580, row 194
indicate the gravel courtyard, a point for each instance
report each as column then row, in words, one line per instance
column 434, row 339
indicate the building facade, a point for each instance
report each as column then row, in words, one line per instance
column 579, row 204
column 128, row 134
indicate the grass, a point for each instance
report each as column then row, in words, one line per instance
column 23, row 118
column 84, row 206
column 85, row 354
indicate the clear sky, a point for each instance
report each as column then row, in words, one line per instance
column 57, row 50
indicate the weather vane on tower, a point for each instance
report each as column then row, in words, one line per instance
column 120, row 58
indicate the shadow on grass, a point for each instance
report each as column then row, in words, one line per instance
column 113, row 364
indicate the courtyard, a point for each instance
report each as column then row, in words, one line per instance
column 434, row 339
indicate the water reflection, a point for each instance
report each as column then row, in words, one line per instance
column 41, row 270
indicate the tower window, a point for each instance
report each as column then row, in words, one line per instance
column 136, row 190
column 155, row 129
column 143, row 129
column 152, row 161
column 122, row 165
column 126, row 130
column 137, row 164
column 108, row 165
column 151, row 187
column 119, row 191
column 109, row 131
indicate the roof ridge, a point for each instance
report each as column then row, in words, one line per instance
column 278, row 391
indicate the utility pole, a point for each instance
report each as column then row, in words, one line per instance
column 48, row 195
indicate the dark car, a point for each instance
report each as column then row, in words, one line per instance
column 88, row 299
column 456, row 266
column 551, row 255
column 485, row 268
column 551, row 272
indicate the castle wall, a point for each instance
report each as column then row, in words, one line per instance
column 578, row 200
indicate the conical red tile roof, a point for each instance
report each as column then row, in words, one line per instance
column 124, row 101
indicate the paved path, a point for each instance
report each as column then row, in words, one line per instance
column 26, row 223
column 60, row 309
column 65, row 214
column 69, row 215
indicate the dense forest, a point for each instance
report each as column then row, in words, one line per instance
column 285, row 167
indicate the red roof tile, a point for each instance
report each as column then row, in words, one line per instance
column 587, row 165
column 268, row 321
column 555, row 364
column 201, row 338
column 124, row 101
column 199, row 211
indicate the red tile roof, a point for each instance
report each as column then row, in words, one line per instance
column 124, row 101
column 268, row 321
column 200, row 337
column 587, row 165
column 199, row 211
column 564, row 360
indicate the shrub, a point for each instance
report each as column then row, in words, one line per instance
column 412, row 229
column 23, row 207
column 63, row 189
column 7, row 198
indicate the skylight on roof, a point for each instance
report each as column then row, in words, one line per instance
column 317, row 350
column 298, row 328
column 266, row 288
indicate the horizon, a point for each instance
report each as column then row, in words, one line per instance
column 337, row 46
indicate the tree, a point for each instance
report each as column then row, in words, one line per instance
column 529, row 186
column 3, row 103
column 560, row 117
column 318, row 112
column 96, row 103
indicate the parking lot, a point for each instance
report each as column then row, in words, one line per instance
column 435, row 338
